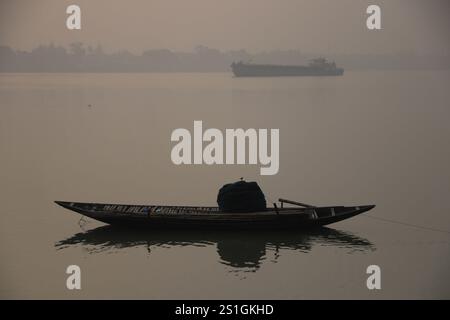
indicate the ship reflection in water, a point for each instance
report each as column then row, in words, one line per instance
column 237, row 249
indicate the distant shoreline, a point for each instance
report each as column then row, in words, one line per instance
column 200, row 72
column 81, row 58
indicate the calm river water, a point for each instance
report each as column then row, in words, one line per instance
column 368, row 137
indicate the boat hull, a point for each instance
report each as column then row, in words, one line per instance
column 176, row 217
column 250, row 70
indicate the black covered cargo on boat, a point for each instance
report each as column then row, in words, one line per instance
column 241, row 196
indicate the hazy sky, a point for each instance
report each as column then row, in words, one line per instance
column 328, row 26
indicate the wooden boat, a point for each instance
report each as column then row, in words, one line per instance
column 188, row 217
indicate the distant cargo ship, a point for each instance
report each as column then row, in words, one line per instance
column 317, row 67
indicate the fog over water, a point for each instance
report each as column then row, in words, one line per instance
column 367, row 137
column 320, row 26
column 87, row 115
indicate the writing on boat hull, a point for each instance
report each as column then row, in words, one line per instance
column 235, row 146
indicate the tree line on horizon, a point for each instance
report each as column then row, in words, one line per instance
column 79, row 57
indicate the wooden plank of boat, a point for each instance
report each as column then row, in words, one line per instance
column 211, row 217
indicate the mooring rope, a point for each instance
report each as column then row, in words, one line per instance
column 406, row 224
column 389, row 220
column 82, row 223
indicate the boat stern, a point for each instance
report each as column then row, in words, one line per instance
column 366, row 207
column 73, row 206
column 64, row 204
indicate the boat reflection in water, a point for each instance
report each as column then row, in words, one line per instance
column 238, row 249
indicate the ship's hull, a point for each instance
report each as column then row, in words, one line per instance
column 162, row 217
column 254, row 70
